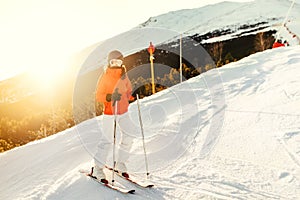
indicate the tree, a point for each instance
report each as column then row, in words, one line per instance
column 228, row 58
column 261, row 42
column 217, row 51
column 208, row 67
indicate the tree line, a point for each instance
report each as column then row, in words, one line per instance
column 17, row 132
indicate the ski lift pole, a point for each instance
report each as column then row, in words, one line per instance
column 114, row 142
column 143, row 137
column 180, row 57
column 151, row 50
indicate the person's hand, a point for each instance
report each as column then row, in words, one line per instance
column 131, row 99
column 108, row 97
column 116, row 96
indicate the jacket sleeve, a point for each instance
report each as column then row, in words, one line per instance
column 101, row 89
column 129, row 88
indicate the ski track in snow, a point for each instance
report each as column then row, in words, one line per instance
column 288, row 139
column 241, row 178
column 256, row 154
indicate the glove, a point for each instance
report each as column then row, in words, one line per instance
column 131, row 99
column 116, row 96
column 108, row 97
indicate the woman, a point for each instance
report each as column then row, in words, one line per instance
column 114, row 91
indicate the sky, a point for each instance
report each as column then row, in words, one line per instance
column 43, row 35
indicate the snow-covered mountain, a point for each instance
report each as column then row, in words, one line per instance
column 222, row 16
column 230, row 133
column 212, row 23
column 255, row 154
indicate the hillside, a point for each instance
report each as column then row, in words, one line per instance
column 254, row 154
column 237, row 19
column 230, row 133
column 206, row 26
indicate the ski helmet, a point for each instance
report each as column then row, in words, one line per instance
column 115, row 55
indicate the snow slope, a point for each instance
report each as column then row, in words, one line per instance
column 233, row 16
column 256, row 153
column 231, row 133
column 213, row 17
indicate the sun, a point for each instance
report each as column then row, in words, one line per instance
column 45, row 78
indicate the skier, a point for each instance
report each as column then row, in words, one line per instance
column 114, row 91
column 278, row 43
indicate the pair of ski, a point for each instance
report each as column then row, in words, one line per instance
column 124, row 176
column 119, row 173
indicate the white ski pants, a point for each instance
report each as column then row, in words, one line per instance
column 104, row 153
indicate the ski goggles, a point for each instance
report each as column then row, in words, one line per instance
column 115, row 62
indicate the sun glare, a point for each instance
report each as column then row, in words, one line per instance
column 45, row 78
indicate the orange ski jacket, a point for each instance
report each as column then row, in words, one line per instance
column 111, row 80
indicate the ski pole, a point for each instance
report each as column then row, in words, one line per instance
column 142, row 132
column 114, row 145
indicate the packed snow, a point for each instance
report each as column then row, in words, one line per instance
column 256, row 154
column 230, row 133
